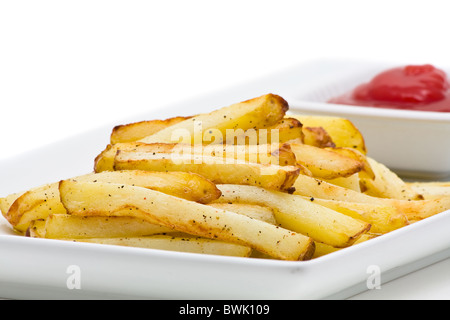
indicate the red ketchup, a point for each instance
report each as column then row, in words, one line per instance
column 412, row 87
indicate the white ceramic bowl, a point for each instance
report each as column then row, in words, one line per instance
column 415, row 144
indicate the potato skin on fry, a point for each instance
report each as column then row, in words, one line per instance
column 317, row 137
column 324, row 163
column 342, row 132
column 138, row 130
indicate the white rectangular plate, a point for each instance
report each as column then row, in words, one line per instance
column 42, row 268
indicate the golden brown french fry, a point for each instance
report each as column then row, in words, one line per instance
column 352, row 182
column 324, row 163
column 35, row 204
column 323, row 249
column 382, row 218
column 412, row 209
column 6, row 202
column 300, row 215
column 439, row 184
column 59, row 226
column 280, row 154
column 431, row 190
column 285, row 130
column 216, row 169
column 36, row 229
column 186, row 185
column 286, row 157
column 367, row 170
column 365, row 237
column 317, row 137
column 260, row 112
column 318, row 188
column 105, row 159
column 342, row 131
column 39, row 202
column 420, row 209
column 254, row 211
column 138, row 130
column 387, row 184
column 176, row 243
column 108, row 199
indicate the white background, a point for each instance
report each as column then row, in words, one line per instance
column 69, row 66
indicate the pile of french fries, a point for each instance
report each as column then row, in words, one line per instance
column 246, row 180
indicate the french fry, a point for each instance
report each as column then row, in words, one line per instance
column 104, row 161
column 323, row 249
column 365, row 237
column 268, row 153
column 138, row 130
column 313, row 187
column 366, row 171
column 382, row 218
column 317, row 137
column 387, row 184
column 352, row 182
column 286, row 157
column 186, row 185
column 262, row 213
column 421, row 209
column 285, row 130
column 412, row 209
column 6, row 202
column 176, row 243
column 60, row 226
column 324, row 163
column 431, row 190
column 300, row 215
column 36, row 229
column 280, row 154
column 260, row 112
column 125, row 231
column 39, row 202
column 342, row 131
column 108, row 199
column 34, row 205
column 215, row 169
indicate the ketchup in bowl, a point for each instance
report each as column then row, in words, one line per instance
column 412, row 87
